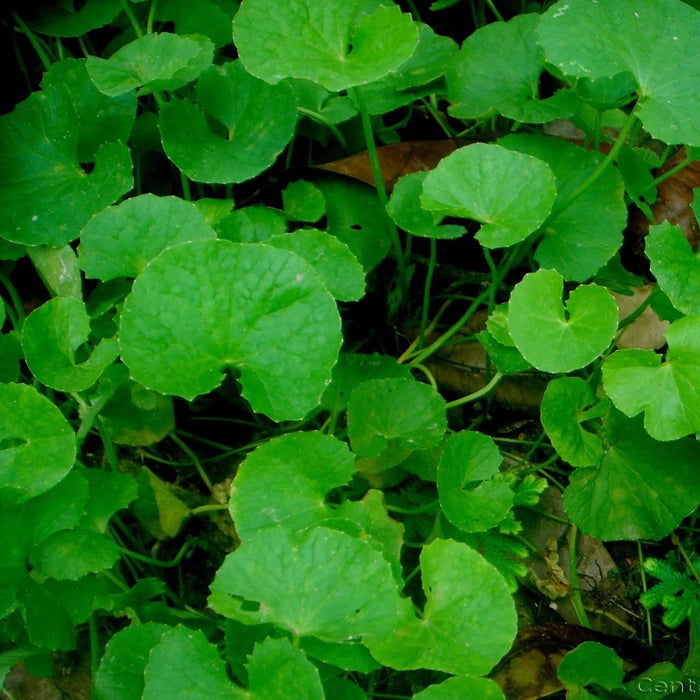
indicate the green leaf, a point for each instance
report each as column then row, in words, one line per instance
column 555, row 337
column 413, row 79
column 335, row 587
column 100, row 117
column 469, row 619
column 328, row 41
column 279, row 671
column 355, row 216
column 37, row 446
column 286, row 481
column 109, row 493
column 202, row 307
column 566, row 404
column 152, row 62
column 592, row 224
column 69, row 19
column 510, row 193
column 333, row 261
column 46, row 197
column 202, row 676
column 252, row 224
column 53, row 339
column 570, row 34
column 120, row 240
column 498, row 71
column 675, row 266
column 47, row 622
column 470, row 497
column 667, row 391
column 405, row 209
column 303, row 201
column 255, row 121
column 460, row 687
column 58, row 268
column 642, row 488
column 212, row 18
column 590, row 663
column 71, row 554
column 388, row 415
column 354, row 368
column 120, row 675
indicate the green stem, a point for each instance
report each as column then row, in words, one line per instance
column 687, row 559
column 381, row 190
column 426, row 290
column 132, row 18
column 413, row 511
column 477, row 394
column 156, row 562
column 195, row 460
column 432, row 107
column 320, row 119
column 672, row 171
column 212, row 508
column 493, row 9
column 45, row 60
column 602, row 166
column 643, row 574
column 16, row 311
column 186, row 192
column 427, row 373
column 94, row 648
column 151, row 17
column 573, row 575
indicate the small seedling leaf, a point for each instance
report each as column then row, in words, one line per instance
column 641, row 489
column 468, row 622
column 255, row 122
column 303, row 201
column 667, row 391
column 498, row 71
column 202, row 307
column 675, row 266
column 152, row 62
column 328, row 41
column 555, row 337
column 53, row 338
column 509, row 193
column 470, row 497
column 120, row 240
column 564, row 408
column 571, row 36
column 591, row 663
column 37, row 446
column 459, row 687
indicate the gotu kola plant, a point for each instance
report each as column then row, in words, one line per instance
column 150, row 184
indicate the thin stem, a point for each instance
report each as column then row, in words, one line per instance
column 156, row 562
column 317, row 117
column 493, row 9
column 17, row 313
column 427, row 373
column 408, row 352
column 477, row 394
column 108, row 445
column 672, row 171
column 413, row 511
column 687, row 559
column 195, row 460
column 431, row 106
column 573, row 575
column 151, row 17
column 45, row 60
column 212, row 508
column 426, row 290
column 186, row 192
column 94, row 648
column 643, row 575
column 132, row 18
column 602, row 166
column 381, row 190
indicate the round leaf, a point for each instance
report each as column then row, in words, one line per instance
column 459, row 687
column 668, row 392
column 555, row 337
column 642, row 489
column 201, row 307
column 37, row 446
column 498, row 70
column 327, row 41
column 470, row 497
column 120, row 240
column 468, row 622
column 563, row 410
column 286, row 481
column 334, row 587
column 52, row 338
column 675, row 266
column 592, row 224
column 333, row 261
column 572, row 38
column 510, row 193
column 303, row 201
column 588, row 664
column 46, row 197
column 386, row 414
column 256, row 122
column 61, row 19
column 152, row 62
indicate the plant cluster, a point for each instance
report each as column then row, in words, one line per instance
column 170, row 263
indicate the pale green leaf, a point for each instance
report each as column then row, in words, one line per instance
column 461, row 687
column 558, row 337
column 202, row 307
column 303, row 201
